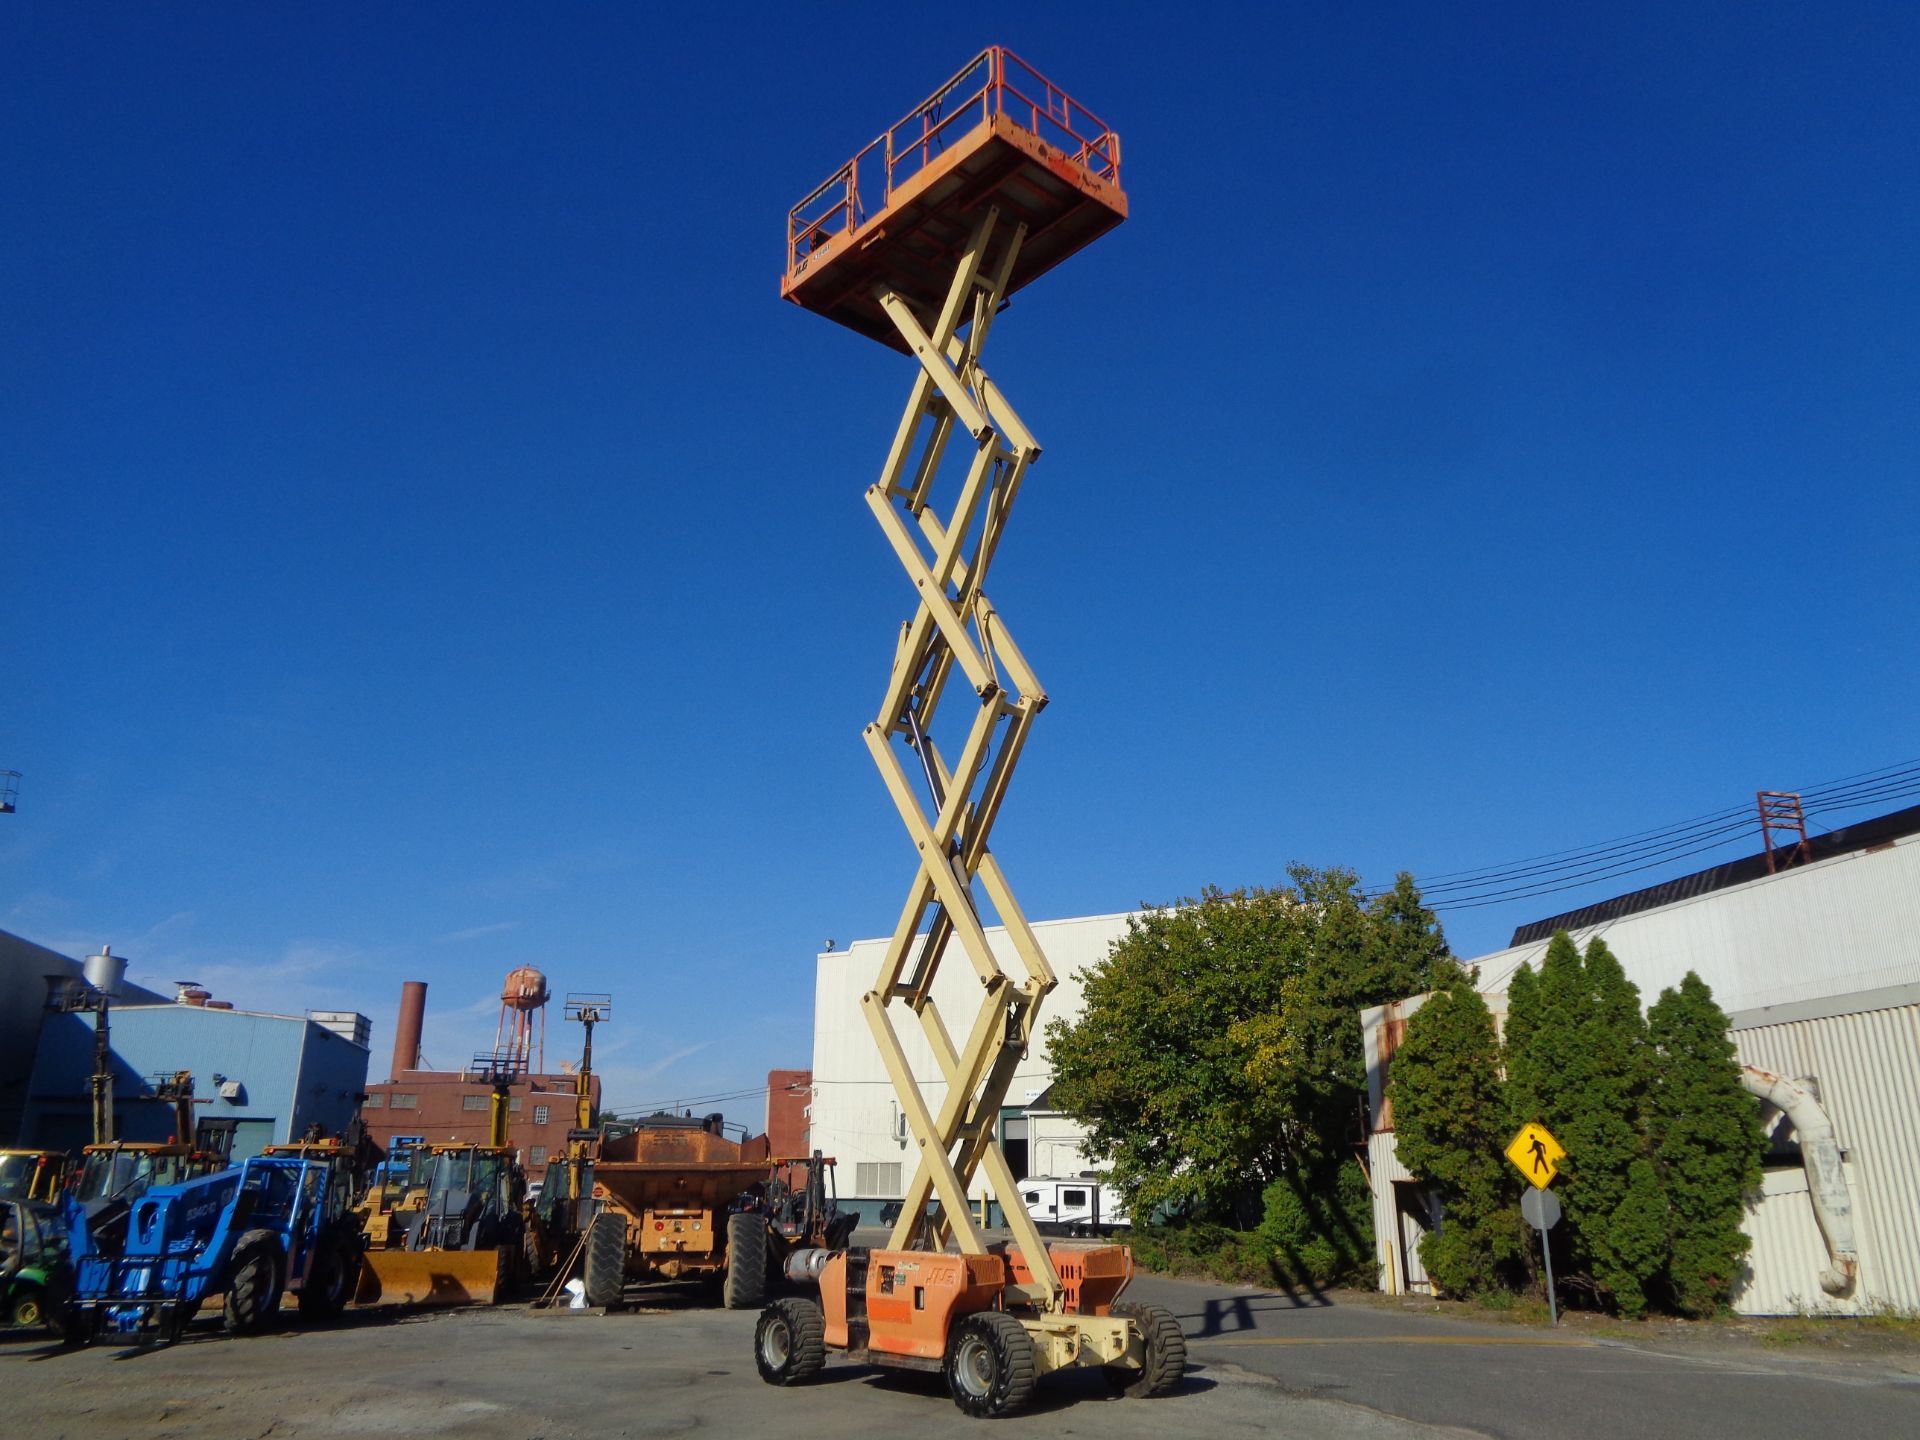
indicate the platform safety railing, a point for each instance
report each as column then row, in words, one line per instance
column 995, row 82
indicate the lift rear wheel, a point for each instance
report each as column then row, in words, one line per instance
column 789, row 1343
column 746, row 1283
column 1165, row 1364
column 990, row 1369
column 253, row 1286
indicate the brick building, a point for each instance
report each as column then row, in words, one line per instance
column 448, row 1105
column 445, row 1106
column 790, row 1112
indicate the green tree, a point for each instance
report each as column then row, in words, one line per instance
column 1706, row 1137
column 1579, row 1062
column 1450, row 1123
column 1218, row 1050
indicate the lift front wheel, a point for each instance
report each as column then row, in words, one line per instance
column 253, row 1285
column 990, row 1367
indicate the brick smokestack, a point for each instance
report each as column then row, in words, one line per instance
column 406, row 1031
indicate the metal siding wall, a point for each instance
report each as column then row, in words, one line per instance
column 261, row 1052
column 333, row 1075
column 1384, row 1169
column 1840, row 926
column 1868, row 1068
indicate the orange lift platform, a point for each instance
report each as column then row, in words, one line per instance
column 917, row 242
column 898, row 215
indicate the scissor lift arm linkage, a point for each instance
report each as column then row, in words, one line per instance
column 949, row 812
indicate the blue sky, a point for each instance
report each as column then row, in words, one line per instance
column 431, row 546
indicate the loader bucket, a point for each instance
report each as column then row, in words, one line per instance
column 433, row 1277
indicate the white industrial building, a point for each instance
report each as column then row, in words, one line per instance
column 1818, row 968
column 856, row 1118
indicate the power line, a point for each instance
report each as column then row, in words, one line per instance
column 1562, row 870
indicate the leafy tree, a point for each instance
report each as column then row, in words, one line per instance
column 1450, row 1126
column 1218, row 1051
column 1579, row 1062
column 1706, row 1136
column 1314, row 1233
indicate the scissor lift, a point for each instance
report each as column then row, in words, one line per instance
column 918, row 242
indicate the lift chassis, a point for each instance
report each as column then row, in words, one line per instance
column 992, row 1318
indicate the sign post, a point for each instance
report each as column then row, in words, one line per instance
column 1537, row 1155
column 1541, row 1209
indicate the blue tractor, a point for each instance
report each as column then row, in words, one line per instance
column 271, row 1226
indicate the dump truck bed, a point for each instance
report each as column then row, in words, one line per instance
column 649, row 1185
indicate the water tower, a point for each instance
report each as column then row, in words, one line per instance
column 520, row 1039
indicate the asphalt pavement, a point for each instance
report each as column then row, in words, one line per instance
column 1529, row 1382
column 1263, row 1364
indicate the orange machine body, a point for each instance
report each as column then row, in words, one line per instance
column 913, row 1297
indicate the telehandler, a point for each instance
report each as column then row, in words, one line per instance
column 267, row 1227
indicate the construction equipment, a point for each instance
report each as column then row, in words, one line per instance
column 677, row 1200
column 919, row 241
column 272, row 1225
column 390, row 1182
column 456, row 1236
column 33, row 1174
column 35, row 1275
column 564, row 1211
column 116, row 1172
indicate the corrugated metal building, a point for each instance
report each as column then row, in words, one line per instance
column 1818, row 967
column 266, row 1078
column 855, row 1116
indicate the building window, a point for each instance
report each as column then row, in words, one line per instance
column 537, row 1155
column 540, row 1114
column 513, row 1105
column 403, row 1102
column 473, row 1102
column 875, row 1179
column 373, row 1102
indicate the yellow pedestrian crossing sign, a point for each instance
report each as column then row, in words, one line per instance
column 1536, row 1154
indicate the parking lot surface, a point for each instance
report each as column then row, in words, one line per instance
column 1263, row 1364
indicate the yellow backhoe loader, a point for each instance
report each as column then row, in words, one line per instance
column 455, row 1237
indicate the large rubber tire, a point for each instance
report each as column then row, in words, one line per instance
column 1165, row 1365
column 533, row 1258
column 331, row 1277
column 990, row 1368
column 789, row 1343
column 746, row 1284
column 606, row 1265
column 29, row 1310
column 253, row 1283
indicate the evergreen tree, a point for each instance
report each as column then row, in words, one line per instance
column 1706, row 1137
column 1450, row 1125
column 1579, row 1063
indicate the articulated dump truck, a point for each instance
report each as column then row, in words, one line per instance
column 677, row 1200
